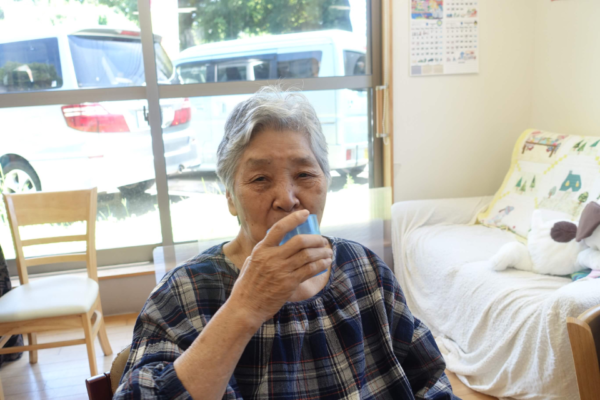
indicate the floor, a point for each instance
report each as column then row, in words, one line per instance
column 60, row 373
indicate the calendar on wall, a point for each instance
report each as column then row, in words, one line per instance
column 444, row 37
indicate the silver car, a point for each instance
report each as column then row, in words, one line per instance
column 73, row 146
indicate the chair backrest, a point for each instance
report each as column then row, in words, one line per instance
column 98, row 387
column 51, row 208
column 584, row 335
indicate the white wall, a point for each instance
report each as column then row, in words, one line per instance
column 453, row 134
column 566, row 83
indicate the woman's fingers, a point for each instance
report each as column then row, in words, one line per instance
column 309, row 255
column 283, row 226
column 272, row 273
column 309, row 270
column 301, row 242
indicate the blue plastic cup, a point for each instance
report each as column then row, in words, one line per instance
column 310, row 227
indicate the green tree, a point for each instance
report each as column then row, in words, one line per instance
column 584, row 197
column 519, row 183
column 533, row 183
column 127, row 7
column 218, row 20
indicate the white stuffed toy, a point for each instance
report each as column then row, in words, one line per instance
column 589, row 233
column 551, row 248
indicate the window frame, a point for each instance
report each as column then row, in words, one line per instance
column 153, row 92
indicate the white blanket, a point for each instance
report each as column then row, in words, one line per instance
column 503, row 333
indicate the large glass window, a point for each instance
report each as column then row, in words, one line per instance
column 201, row 210
column 222, row 41
column 226, row 41
column 63, row 45
column 104, row 138
column 76, row 146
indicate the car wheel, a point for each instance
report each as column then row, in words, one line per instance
column 136, row 188
column 19, row 177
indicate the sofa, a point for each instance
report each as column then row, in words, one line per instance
column 502, row 333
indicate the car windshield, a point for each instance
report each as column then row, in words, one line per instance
column 113, row 61
column 30, row 65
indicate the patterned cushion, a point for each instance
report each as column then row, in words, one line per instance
column 548, row 171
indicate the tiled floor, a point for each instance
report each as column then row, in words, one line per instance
column 61, row 373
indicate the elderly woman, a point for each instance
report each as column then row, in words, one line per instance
column 250, row 319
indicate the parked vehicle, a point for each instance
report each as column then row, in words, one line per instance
column 343, row 113
column 73, row 146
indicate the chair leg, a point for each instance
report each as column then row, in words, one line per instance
column 33, row 354
column 1, row 391
column 102, row 335
column 89, row 343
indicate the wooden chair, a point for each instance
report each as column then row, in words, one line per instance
column 59, row 302
column 584, row 335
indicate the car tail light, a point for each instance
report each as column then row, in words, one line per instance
column 130, row 33
column 348, row 155
column 93, row 118
column 183, row 115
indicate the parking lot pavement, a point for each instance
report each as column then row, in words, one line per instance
column 191, row 183
column 188, row 185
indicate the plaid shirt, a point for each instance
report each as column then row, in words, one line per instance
column 356, row 339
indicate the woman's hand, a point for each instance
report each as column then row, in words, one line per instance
column 272, row 273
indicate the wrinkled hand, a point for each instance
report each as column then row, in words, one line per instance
column 272, row 273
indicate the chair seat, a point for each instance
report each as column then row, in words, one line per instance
column 49, row 297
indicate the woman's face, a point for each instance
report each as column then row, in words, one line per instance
column 276, row 175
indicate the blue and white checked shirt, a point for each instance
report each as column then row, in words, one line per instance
column 356, row 339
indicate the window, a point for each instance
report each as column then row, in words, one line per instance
column 113, row 61
column 200, row 72
column 201, row 211
column 82, row 145
column 107, row 136
column 297, row 40
column 231, row 72
column 354, row 63
column 299, row 65
column 30, row 65
column 250, row 68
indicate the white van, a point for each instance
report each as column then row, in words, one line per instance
column 74, row 146
column 343, row 113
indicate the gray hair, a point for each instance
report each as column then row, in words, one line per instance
column 271, row 108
